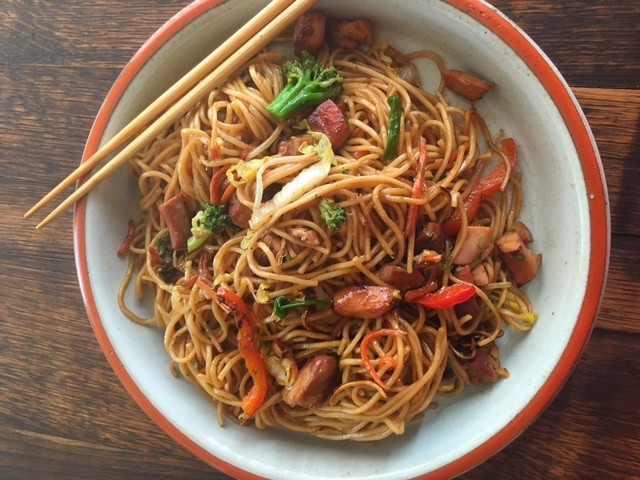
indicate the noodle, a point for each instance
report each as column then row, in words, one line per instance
column 415, row 352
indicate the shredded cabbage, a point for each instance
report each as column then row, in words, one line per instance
column 243, row 172
column 307, row 179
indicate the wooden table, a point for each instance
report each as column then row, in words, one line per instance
column 63, row 412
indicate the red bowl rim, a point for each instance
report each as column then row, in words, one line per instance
column 591, row 164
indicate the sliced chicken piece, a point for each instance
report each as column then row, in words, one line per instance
column 477, row 242
column 309, row 32
column 400, row 279
column 521, row 261
column 327, row 118
column 349, row 34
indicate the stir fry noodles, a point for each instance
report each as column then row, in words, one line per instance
column 331, row 246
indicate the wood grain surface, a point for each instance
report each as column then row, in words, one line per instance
column 63, row 412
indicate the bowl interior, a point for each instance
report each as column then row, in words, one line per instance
column 553, row 181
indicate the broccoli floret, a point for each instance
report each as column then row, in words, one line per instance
column 308, row 83
column 211, row 219
column 164, row 259
column 332, row 215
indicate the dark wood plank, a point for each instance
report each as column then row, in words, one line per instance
column 593, row 43
column 590, row 430
column 50, row 32
column 620, row 310
column 64, row 414
column 614, row 117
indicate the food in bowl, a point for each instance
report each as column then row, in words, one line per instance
column 330, row 245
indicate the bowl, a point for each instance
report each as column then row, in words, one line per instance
column 565, row 204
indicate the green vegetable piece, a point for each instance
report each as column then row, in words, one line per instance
column 282, row 306
column 308, row 83
column 332, row 215
column 393, row 137
column 211, row 219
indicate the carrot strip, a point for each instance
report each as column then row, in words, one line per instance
column 418, row 187
column 364, row 347
column 131, row 233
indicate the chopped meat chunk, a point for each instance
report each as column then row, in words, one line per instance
column 315, row 382
column 430, row 237
column 480, row 275
column 365, row 301
column 349, row 33
column 524, row 232
column 240, row 214
column 327, row 118
column 176, row 213
column 477, row 241
column 274, row 243
column 485, row 367
column 521, row 262
column 400, row 279
column 306, row 235
column 466, row 85
column 309, row 32
column 291, row 146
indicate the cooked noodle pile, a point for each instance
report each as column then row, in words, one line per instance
column 390, row 367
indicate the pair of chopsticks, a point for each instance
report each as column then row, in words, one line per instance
column 270, row 22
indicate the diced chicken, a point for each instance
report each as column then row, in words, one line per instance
column 524, row 232
column 309, row 32
column 468, row 307
column 365, row 301
column 291, row 146
column 480, row 275
column 400, row 279
column 315, row 382
column 466, row 85
column 240, row 214
column 204, row 262
column 349, row 34
column 277, row 246
column 430, row 237
column 477, row 241
column 521, row 262
column 306, row 235
column 176, row 213
column 484, row 368
column 405, row 69
column 327, row 118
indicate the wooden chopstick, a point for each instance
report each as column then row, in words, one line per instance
column 214, row 59
column 243, row 45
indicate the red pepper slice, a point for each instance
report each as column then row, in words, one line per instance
column 418, row 186
column 448, row 296
column 247, row 344
column 485, row 187
column 131, row 233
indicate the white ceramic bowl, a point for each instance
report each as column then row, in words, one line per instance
column 565, row 205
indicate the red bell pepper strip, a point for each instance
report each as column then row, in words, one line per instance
column 247, row 344
column 486, row 187
column 418, row 186
column 446, row 297
column 131, row 233
column 364, row 348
